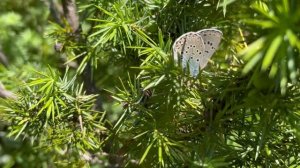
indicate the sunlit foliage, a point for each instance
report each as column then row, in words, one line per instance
column 242, row 110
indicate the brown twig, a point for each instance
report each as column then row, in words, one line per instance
column 3, row 92
column 3, row 59
column 6, row 94
column 70, row 13
column 55, row 11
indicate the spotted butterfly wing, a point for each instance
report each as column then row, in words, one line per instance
column 211, row 39
column 178, row 47
column 196, row 48
column 189, row 48
column 193, row 50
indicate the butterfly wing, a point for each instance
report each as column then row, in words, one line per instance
column 193, row 49
column 211, row 39
column 196, row 48
column 178, row 47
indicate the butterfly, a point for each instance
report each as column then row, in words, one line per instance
column 196, row 48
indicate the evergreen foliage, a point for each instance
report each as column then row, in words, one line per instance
column 109, row 94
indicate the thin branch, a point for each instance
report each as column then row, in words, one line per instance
column 3, row 92
column 3, row 59
column 6, row 94
column 55, row 11
column 70, row 12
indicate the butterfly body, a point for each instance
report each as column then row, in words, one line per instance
column 196, row 48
